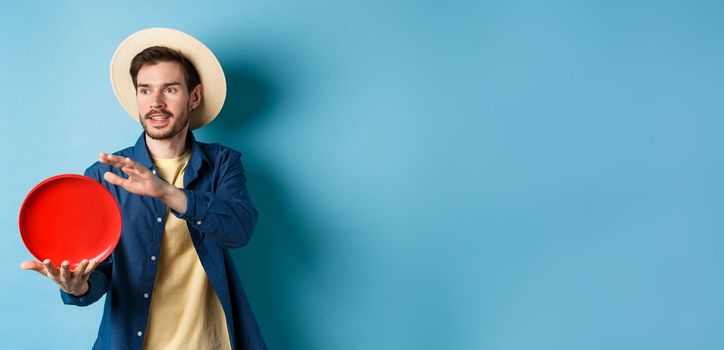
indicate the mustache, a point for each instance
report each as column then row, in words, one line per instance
column 158, row 111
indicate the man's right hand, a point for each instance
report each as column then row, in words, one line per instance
column 73, row 282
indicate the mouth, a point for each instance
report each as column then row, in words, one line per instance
column 158, row 118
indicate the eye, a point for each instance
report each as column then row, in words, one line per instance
column 143, row 91
column 171, row 90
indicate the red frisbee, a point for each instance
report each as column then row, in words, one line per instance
column 70, row 217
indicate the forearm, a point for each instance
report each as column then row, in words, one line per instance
column 230, row 222
column 174, row 198
column 226, row 214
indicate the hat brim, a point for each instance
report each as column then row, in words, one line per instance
column 209, row 69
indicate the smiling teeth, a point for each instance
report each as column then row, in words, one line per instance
column 159, row 118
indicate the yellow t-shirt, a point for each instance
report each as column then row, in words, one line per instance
column 185, row 310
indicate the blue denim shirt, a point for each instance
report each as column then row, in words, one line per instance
column 219, row 216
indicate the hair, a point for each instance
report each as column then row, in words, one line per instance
column 155, row 54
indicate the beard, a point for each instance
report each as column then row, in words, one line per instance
column 177, row 124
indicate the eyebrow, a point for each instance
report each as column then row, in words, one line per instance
column 171, row 83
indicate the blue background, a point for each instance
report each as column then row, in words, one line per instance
column 430, row 175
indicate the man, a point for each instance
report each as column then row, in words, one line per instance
column 170, row 283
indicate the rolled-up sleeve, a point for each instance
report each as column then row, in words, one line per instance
column 226, row 215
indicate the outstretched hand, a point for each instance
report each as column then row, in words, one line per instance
column 140, row 179
column 74, row 282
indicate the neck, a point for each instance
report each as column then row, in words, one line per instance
column 168, row 148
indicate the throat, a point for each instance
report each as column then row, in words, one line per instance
column 170, row 148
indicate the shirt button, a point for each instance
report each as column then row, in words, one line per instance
column 145, row 295
column 139, row 333
column 159, row 219
column 198, row 222
column 153, row 171
column 153, row 257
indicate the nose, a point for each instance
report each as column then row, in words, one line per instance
column 157, row 101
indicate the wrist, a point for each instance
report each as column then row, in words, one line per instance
column 174, row 198
column 167, row 193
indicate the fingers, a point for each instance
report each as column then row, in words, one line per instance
column 80, row 268
column 65, row 272
column 133, row 171
column 131, row 168
column 111, row 159
column 106, row 158
column 76, row 275
column 72, row 282
column 89, row 268
column 114, row 179
column 134, row 168
column 116, row 161
column 51, row 270
column 33, row 265
column 121, row 162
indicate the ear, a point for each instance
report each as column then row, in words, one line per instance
column 196, row 95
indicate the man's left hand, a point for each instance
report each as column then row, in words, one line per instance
column 140, row 179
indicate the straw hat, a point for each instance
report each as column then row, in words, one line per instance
column 210, row 71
